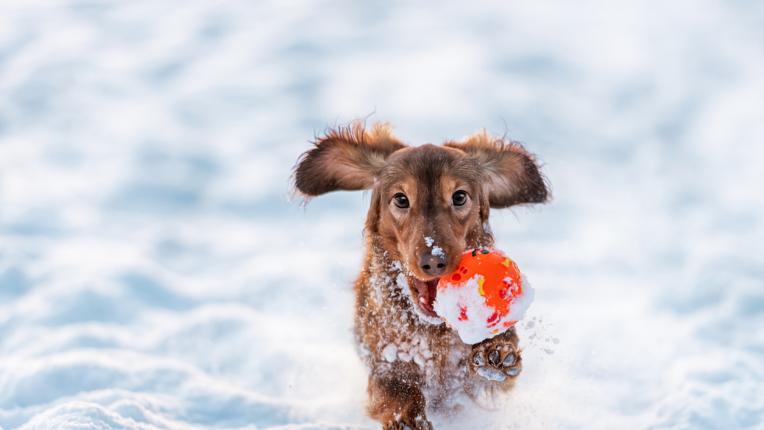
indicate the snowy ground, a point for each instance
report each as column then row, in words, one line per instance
column 155, row 275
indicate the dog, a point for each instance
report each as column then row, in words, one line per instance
column 422, row 198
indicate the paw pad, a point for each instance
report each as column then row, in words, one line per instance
column 496, row 362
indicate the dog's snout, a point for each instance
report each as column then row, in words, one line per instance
column 432, row 265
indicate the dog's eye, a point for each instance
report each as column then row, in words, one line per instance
column 401, row 200
column 459, row 198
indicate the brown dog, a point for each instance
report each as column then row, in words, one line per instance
column 429, row 203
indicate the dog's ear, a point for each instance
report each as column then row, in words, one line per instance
column 510, row 173
column 345, row 158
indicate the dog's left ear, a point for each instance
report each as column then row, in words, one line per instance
column 511, row 174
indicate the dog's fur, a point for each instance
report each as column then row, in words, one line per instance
column 416, row 363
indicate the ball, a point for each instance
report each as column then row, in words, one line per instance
column 485, row 296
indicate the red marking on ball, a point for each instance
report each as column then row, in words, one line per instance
column 463, row 313
column 493, row 319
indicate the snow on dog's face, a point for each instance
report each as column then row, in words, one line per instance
column 429, row 203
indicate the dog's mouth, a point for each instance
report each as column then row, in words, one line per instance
column 426, row 293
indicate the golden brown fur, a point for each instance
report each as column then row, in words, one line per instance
column 423, row 198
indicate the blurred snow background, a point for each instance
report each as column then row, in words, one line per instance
column 155, row 275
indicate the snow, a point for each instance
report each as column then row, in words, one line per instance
column 417, row 351
column 472, row 327
column 521, row 303
column 390, row 353
column 156, row 274
column 491, row 374
column 436, row 250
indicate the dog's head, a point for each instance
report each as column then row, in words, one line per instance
column 429, row 203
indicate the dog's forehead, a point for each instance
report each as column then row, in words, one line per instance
column 428, row 163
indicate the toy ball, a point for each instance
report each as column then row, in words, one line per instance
column 484, row 296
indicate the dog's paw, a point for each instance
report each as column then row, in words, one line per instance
column 416, row 423
column 496, row 360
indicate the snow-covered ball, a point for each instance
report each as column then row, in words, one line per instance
column 484, row 296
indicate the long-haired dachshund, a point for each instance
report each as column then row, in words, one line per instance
column 422, row 197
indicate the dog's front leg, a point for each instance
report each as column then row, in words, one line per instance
column 395, row 397
column 498, row 358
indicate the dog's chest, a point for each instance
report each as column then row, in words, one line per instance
column 397, row 333
column 428, row 352
column 401, row 336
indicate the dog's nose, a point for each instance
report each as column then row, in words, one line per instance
column 432, row 265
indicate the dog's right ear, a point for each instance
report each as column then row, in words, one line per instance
column 346, row 158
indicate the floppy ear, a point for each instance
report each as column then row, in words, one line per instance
column 346, row 158
column 510, row 173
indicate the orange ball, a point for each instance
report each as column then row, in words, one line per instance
column 484, row 296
